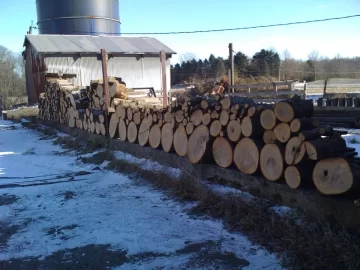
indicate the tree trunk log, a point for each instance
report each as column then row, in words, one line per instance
column 234, row 131
column 224, row 117
column 132, row 132
column 122, row 130
column 189, row 128
column 206, row 119
column 144, row 131
column 300, row 124
column 215, row 128
column 247, row 155
column 282, row 132
column 155, row 137
column 269, row 136
column 295, row 151
column 222, row 152
column 272, row 161
column 309, row 135
column 292, row 108
column 326, row 148
column 180, row 141
column 268, row 119
column 113, row 126
column 251, row 126
column 167, row 137
column 198, row 144
column 196, row 117
column 300, row 176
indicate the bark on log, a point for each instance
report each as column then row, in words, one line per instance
column 132, row 132
column 155, row 136
column 292, row 108
column 122, row 130
column 180, row 141
column 234, row 131
column 222, row 152
column 269, row 136
column 167, row 137
column 300, row 176
column 247, row 155
column 282, row 132
column 326, row 148
column 272, row 161
column 309, row 135
column 334, row 176
column 198, row 144
column 268, row 119
column 295, row 151
column 113, row 126
column 215, row 128
column 300, row 124
column 326, row 130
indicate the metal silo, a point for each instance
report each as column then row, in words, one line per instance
column 78, row 17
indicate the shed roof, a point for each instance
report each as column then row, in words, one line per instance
column 93, row 44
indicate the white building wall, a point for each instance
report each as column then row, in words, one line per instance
column 136, row 71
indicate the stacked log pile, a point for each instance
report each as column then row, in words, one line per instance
column 282, row 141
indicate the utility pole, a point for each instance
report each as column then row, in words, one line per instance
column 232, row 68
column 163, row 75
column 104, row 59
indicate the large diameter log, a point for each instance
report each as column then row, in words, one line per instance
column 300, row 176
column 251, row 127
column 222, row 152
column 132, row 132
column 167, row 137
column 334, row 176
column 122, row 130
column 234, row 131
column 269, row 136
column 295, row 151
column 215, row 128
column 299, row 124
column 180, row 141
column 113, row 125
column 282, row 132
column 268, row 119
column 196, row 117
column 144, row 131
column 287, row 110
column 197, row 147
column 272, row 161
column 326, row 148
column 155, row 136
column 247, row 155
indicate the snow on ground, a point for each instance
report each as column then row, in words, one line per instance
column 58, row 208
column 353, row 140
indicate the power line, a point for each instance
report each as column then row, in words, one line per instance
column 225, row 29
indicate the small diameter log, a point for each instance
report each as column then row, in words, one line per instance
column 215, row 128
column 129, row 114
column 102, row 129
column 113, row 125
column 121, row 112
column 295, row 151
column 132, row 132
column 167, row 137
column 251, row 127
column 196, row 117
column 247, row 155
column 122, row 130
column 326, row 130
column 137, row 118
column 268, row 119
column 309, row 135
column 189, row 128
column 234, row 131
column 299, row 124
column 282, row 132
column 272, row 161
column 144, row 131
column 97, row 128
column 222, row 152
column 334, row 176
column 269, row 136
column 300, row 176
column 206, row 119
column 224, row 117
column 180, row 141
column 179, row 116
column 197, row 147
column 292, row 108
column 326, row 148
column 155, row 136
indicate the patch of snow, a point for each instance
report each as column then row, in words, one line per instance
column 353, row 141
column 281, row 210
column 102, row 208
column 225, row 190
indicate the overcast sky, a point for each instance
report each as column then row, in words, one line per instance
column 329, row 38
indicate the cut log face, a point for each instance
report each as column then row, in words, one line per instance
column 122, row 130
column 197, row 144
column 300, row 124
column 284, row 112
column 102, row 129
column 246, row 156
column 97, row 128
column 180, row 141
column 268, row 119
column 282, row 132
column 271, row 162
column 113, row 125
column 295, row 151
column 196, row 117
column 292, row 177
column 222, row 152
column 298, row 176
column 167, row 137
column 325, row 148
column 137, row 118
column 215, row 128
column 206, row 119
column 155, row 136
column 234, row 131
column 132, row 132
column 189, row 128
column 333, row 176
column 144, row 131
column 224, row 117
column 269, row 136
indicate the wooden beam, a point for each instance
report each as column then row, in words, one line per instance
column 104, row 57
column 163, row 75
column 232, row 66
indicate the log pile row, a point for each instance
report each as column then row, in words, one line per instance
column 282, row 141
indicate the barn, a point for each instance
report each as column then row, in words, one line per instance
column 77, row 57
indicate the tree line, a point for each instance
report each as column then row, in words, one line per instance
column 267, row 64
column 12, row 79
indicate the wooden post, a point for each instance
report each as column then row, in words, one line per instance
column 232, row 66
column 163, row 74
column 104, row 58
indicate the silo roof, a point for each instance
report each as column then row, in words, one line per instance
column 93, row 44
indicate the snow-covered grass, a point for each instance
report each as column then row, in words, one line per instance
column 61, row 209
column 353, row 140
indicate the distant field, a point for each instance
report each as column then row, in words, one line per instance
column 333, row 86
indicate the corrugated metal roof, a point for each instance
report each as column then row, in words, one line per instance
column 93, row 44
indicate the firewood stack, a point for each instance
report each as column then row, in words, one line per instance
column 282, row 141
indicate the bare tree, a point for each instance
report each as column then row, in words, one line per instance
column 314, row 57
column 187, row 56
column 286, row 63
